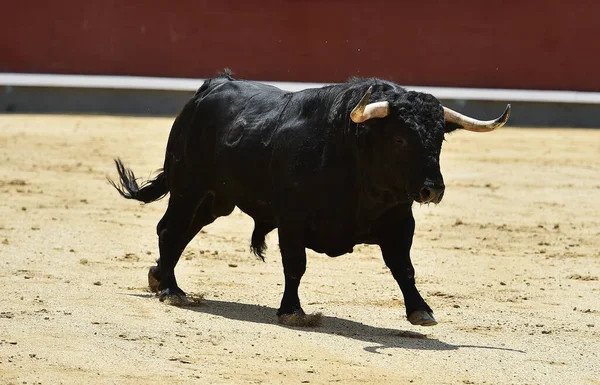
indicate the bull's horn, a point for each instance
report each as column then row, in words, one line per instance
column 363, row 111
column 475, row 125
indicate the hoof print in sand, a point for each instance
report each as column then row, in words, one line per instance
column 191, row 300
column 301, row 320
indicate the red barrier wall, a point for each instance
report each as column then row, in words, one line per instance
column 537, row 44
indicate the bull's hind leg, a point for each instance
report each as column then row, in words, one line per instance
column 185, row 217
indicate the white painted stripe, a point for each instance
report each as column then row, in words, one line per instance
column 187, row 84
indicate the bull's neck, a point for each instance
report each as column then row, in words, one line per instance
column 376, row 192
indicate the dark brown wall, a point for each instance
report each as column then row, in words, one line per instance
column 538, row 44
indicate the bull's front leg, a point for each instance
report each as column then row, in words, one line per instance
column 395, row 241
column 293, row 257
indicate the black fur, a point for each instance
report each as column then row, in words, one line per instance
column 295, row 161
column 257, row 244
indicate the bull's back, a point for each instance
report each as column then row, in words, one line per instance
column 234, row 124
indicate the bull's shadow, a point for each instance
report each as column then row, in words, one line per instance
column 381, row 338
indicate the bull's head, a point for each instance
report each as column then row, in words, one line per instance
column 414, row 130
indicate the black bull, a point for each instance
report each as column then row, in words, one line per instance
column 325, row 168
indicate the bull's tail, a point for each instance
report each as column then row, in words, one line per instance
column 149, row 191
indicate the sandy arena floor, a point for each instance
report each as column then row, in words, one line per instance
column 509, row 261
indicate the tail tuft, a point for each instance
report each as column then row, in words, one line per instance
column 149, row 191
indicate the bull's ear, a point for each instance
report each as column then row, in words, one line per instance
column 451, row 126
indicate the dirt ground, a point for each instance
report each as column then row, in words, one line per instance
column 509, row 261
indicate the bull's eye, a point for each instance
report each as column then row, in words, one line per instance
column 400, row 140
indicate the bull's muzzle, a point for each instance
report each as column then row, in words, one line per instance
column 431, row 193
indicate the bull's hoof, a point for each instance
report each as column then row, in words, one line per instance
column 153, row 282
column 173, row 296
column 301, row 319
column 422, row 318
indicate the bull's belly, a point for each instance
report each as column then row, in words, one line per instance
column 329, row 249
column 333, row 239
column 325, row 237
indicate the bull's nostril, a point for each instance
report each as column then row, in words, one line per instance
column 425, row 193
column 431, row 194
